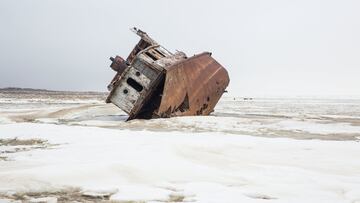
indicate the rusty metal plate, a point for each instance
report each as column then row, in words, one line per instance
column 193, row 87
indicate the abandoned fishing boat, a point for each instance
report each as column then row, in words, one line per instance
column 155, row 83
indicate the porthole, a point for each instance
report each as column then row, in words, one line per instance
column 134, row 84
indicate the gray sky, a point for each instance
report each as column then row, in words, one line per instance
column 278, row 47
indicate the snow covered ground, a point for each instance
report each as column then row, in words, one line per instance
column 261, row 150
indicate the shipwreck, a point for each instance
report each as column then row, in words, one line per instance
column 155, row 83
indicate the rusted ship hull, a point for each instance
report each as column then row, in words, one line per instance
column 154, row 83
column 193, row 87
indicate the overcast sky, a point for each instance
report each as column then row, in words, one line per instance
column 277, row 47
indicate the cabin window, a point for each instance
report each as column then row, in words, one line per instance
column 151, row 56
column 157, row 51
column 134, row 84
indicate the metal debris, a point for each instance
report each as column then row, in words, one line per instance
column 155, row 83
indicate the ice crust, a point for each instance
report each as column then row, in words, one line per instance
column 261, row 150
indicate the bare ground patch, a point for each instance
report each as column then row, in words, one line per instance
column 16, row 141
column 73, row 195
column 63, row 195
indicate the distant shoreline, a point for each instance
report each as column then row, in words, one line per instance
column 33, row 90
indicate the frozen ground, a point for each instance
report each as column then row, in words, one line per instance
column 72, row 147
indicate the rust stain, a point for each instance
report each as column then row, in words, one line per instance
column 155, row 83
